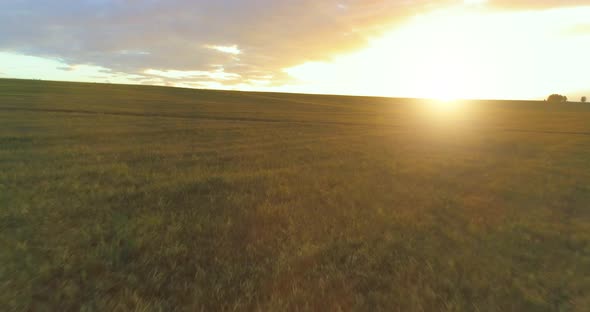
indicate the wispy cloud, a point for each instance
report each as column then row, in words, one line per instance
column 217, row 75
column 226, row 49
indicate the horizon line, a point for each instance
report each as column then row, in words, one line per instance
column 277, row 92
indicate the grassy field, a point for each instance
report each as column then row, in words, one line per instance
column 156, row 199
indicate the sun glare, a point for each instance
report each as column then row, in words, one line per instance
column 445, row 106
column 461, row 53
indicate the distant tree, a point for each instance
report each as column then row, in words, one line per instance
column 584, row 99
column 557, row 98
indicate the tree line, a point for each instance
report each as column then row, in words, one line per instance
column 558, row 98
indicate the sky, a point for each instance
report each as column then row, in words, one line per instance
column 442, row 49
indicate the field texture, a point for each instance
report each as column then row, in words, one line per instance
column 158, row 199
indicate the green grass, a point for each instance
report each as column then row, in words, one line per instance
column 155, row 199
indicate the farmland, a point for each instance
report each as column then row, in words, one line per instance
column 154, row 198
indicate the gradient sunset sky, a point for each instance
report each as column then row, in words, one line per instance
column 432, row 49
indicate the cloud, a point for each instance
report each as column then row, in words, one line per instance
column 66, row 68
column 218, row 75
column 132, row 36
column 226, row 49
column 251, row 40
